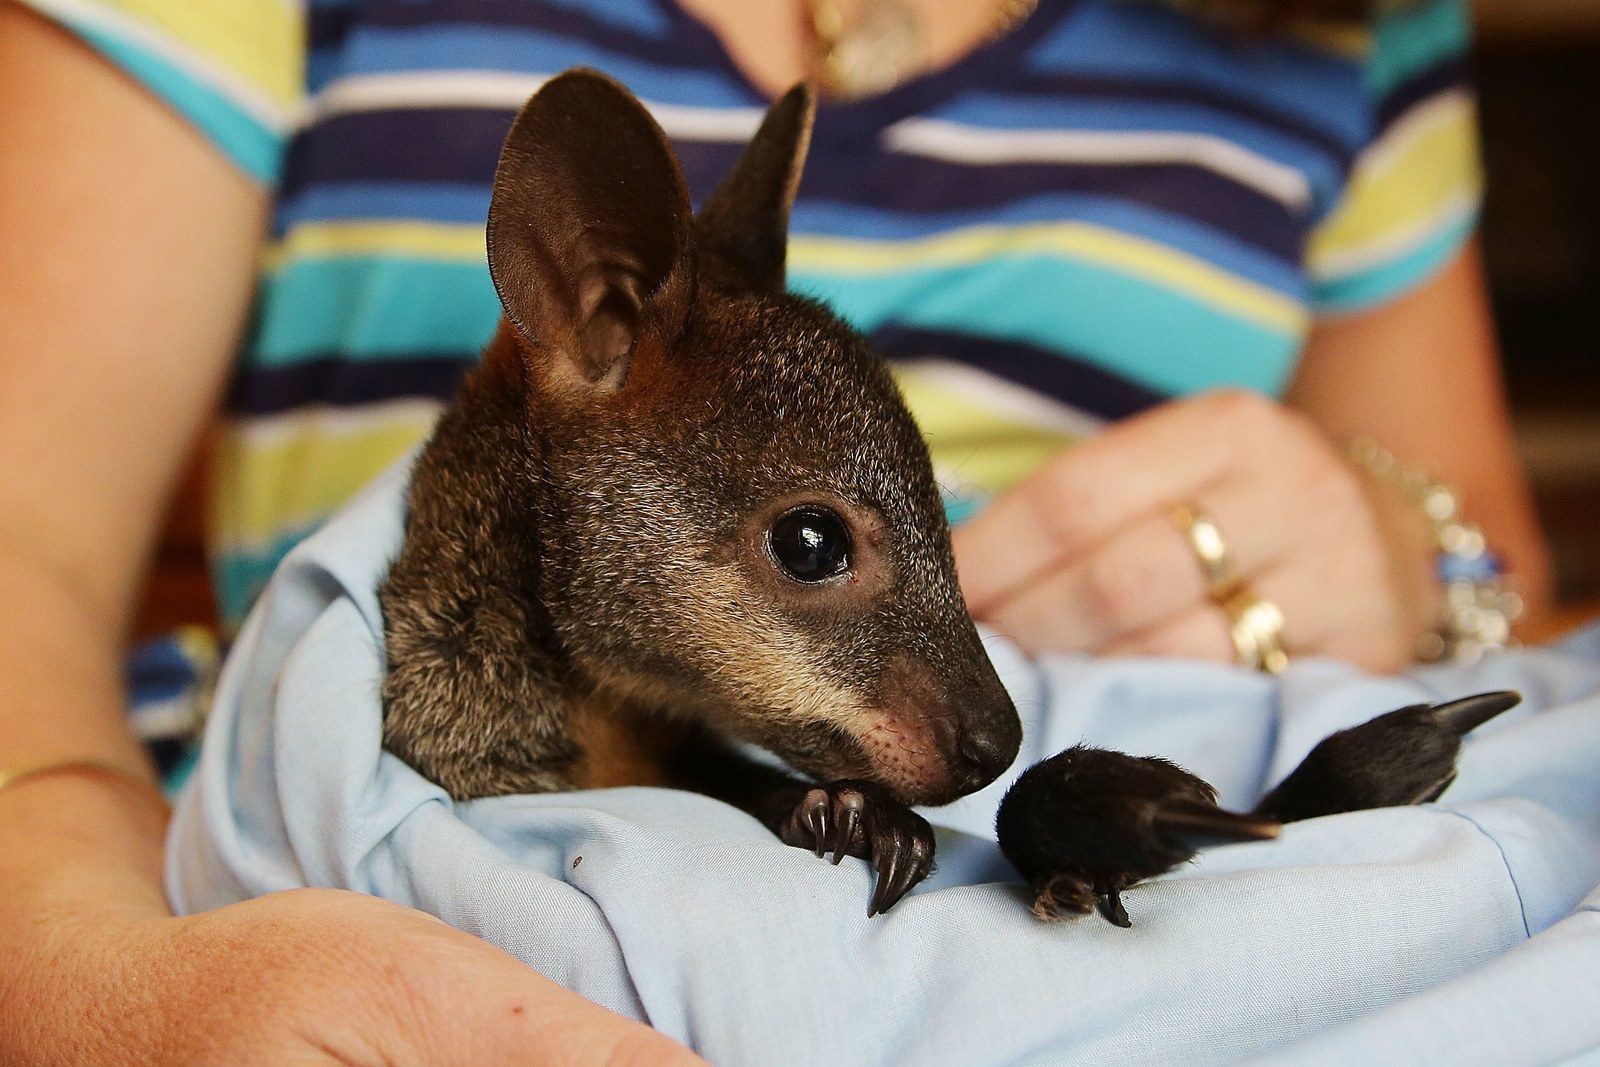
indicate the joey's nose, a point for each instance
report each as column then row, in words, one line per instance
column 990, row 745
column 988, row 752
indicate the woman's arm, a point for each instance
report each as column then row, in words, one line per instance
column 1421, row 376
column 127, row 253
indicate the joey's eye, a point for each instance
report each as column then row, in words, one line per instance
column 811, row 543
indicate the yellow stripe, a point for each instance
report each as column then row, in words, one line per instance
column 1104, row 247
column 421, row 240
column 261, row 41
column 1418, row 173
column 972, row 448
column 266, row 489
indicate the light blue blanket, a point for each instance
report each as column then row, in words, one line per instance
column 1461, row 933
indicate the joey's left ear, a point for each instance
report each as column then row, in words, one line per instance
column 589, row 233
column 742, row 231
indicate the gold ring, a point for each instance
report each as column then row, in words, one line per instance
column 1256, row 627
column 1210, row 548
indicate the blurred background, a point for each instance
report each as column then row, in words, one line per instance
column 1538, row 74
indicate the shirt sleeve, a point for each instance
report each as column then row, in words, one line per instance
column 1414, row 192
column 233, row 68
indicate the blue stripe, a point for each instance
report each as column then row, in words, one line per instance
column 1413, row 39
column 494, row 48
column 252, row 147
column 238, row 578
column 1103, row 317
column 364, row 308
column 1151, row 41
column 323, row 65
column 1217, row 247
column 1359, row 292
column 449, row 202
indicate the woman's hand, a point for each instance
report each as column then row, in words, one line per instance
column 1085, row 555
column 310, row 977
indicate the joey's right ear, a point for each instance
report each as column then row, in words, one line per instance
column 742, row 233
column 590, row 230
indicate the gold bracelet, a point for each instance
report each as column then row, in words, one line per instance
column 10, row 776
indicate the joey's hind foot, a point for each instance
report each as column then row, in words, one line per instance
column 1404, row 757
column 857, row 818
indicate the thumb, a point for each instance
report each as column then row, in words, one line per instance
column 472, row 1004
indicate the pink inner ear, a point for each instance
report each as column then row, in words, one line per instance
column 607, row 341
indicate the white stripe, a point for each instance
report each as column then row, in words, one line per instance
column 959, row 143
column 1002, row 398
column 200, row 68
column 499, row 89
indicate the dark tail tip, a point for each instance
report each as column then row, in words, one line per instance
column 1467, row 714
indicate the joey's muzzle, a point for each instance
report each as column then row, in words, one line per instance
column 939, row 738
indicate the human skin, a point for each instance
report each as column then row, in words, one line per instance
column 125, row 274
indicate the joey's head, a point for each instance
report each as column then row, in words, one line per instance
column 739, row 519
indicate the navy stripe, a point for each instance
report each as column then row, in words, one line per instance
column 1074, row 382
column 557, row 20
column 425, row 144
column 463, row 145
column 327, row 27
column 334, row 381
column 1452, row 74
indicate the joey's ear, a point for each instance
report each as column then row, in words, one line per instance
column 742, row 233
column 590, row 229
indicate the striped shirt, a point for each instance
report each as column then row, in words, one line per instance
column 1111, row 205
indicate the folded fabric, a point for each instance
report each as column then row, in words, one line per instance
column 1464, row 932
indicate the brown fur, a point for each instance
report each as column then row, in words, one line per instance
column 585, row 591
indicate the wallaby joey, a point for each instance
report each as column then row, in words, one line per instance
column 676, row 507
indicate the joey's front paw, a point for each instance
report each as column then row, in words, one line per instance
column 857, row 818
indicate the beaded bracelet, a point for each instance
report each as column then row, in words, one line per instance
column 1477, row 610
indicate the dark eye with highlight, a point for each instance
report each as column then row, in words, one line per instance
column 811, row 543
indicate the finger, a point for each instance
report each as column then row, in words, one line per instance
column 1131, row 582
column 1145, row 573
column 1199, row 632
column 471, row 1003
column 1083, row 496
column 1327, row 610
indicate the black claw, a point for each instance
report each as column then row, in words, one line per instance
column 888, row 869
column 859, row 818
column 816, row 819
column 845, row 832
column 1111, row 907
